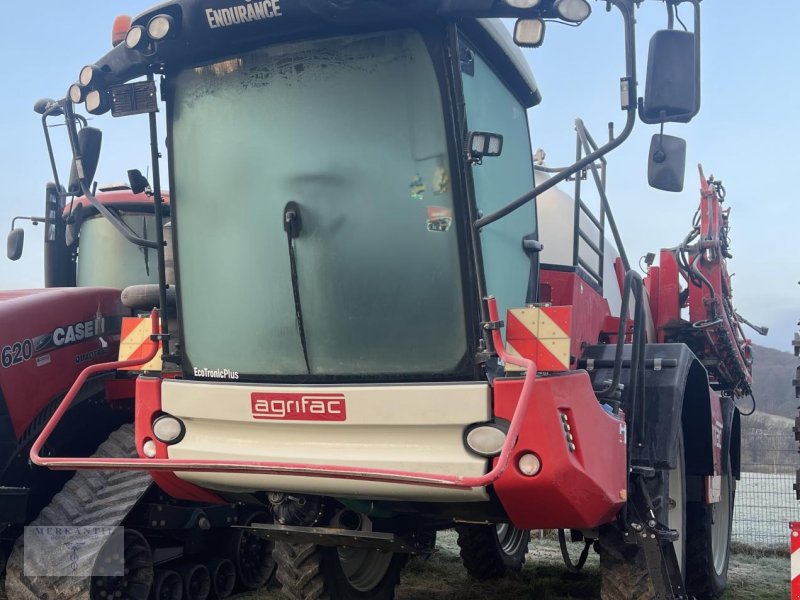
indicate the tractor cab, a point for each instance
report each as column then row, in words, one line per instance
column 340, row 316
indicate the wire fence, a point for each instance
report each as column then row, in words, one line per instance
column 765, row 501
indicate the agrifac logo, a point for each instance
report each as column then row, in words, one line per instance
column 298, row 407
column 254, row 10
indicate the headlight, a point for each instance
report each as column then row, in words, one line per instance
column 97, row 102
column 486, row 440
column 168, row 429
column 160, row 27
column 90, row 75
column 135, row 37
column 76, row 93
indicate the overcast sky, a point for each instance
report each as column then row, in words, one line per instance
column 745, row 134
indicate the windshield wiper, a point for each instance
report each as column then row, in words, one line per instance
column 292, row 224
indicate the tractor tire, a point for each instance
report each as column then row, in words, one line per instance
column 491, row 551
column 311, row 572
column 709, row 542
column 89, row 499
column 623, row 570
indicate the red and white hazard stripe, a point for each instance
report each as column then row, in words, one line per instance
column 795, row 545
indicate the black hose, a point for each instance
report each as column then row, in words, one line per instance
column 572, row 567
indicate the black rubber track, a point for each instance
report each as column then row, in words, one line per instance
column 482, row 555
column 90, row 498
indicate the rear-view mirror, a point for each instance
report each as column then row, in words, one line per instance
column 14, row 243
column 89, row 142
column 137, row 181
column 666, row 167
column 672, row 91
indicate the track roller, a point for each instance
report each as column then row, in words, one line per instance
column 167, row 585
column 251, row 555
column 138, row 577
column 196, row 581
column 223, row 577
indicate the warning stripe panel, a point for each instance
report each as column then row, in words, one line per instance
column 135, row 343
column 795, row 560
column 541, row 334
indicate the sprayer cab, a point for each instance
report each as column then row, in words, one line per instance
column 340, row 319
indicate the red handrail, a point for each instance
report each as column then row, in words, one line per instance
column 299, row 469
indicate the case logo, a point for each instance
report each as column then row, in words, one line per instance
column 298, row 407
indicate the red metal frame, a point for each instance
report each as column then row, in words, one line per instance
column 723, row 334
column 582, row 451
column 293, row 469
column 590, row 308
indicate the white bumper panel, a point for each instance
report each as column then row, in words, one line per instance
column 405, row 427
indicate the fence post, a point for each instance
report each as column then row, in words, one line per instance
column 795, row 547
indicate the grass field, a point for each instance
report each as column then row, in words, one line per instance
column 544, row 578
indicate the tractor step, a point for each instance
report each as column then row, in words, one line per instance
column 328, row 536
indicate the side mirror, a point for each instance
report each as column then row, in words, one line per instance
column 667, row 163
column 672, row 91
column 14, row 243
column 137, row 181
column 89, row 142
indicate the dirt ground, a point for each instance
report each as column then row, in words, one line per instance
column 544, row 578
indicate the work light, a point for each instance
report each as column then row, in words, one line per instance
column 135, row 37
column 90, row 75
column 574, row 11
column 76, row 93
column 523, row 3
column 160, row 27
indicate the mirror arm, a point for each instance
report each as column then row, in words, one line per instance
column 627, row 8
column 76, row 158
column 34, row 220
column 155, row 154
column 55, row 108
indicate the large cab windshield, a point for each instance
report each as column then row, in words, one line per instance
column 345, row 138
column 106, row 259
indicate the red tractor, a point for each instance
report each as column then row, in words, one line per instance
column 48, row 337
column 340, row 350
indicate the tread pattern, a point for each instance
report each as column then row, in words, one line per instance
column 701, row 579
column 481, row 554
column 90, row 498
column 300, row 571
column 623, row 572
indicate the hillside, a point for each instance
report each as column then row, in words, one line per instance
column 773, row 372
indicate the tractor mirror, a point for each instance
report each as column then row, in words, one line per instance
column 89, row 141
column 137, row 181
column 667, row 163
column 672, row 91
column 16, row 239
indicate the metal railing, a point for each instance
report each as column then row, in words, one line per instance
column 584, row 147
